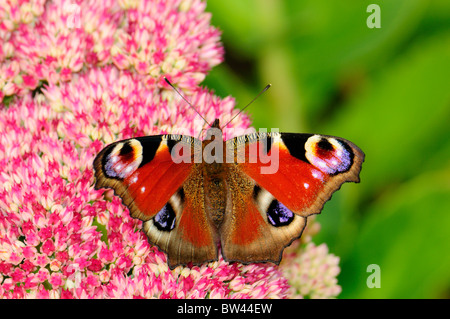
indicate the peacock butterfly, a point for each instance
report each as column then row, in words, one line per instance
column 249, row 196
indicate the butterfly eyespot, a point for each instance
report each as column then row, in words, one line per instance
column 328, row 154
column 325, row 145
column 278, row 214
column 165, row 219
column 126, row 149
column 122, row 159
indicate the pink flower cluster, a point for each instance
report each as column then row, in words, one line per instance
column 101, row 63
column 48, row 42
column 312, row 273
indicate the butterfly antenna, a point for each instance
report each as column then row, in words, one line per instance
column 262, row 91
column 168, row 82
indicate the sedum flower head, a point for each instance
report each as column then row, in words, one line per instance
column 51, row 41
column 312, row 272
column 74, row 77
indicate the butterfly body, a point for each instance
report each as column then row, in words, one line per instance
column 249, row 196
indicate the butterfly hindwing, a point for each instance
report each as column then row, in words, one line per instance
column 250, row 231
column 192, row 237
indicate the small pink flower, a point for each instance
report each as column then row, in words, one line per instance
column 55, row 265
column 93, row 281
column 29, row 81
column 27, row 227
column 15, row 258
column 18, row 275
column 62, row 256
column 56, row 280
column 45, row 233
column 218, row 293
column 106, row 255
column 5, row 268
column 142, row 67
column 43, row 274
column 42, row 293
column 158, row 57
column 48, row 247
column 32, row 239
column 104, row 276
column 28, row 266
column 238, row 283
column 95, row 265
column 66, row 294
column 31, row 281
column 66, row 74
column 82, row 262
column 121, row 61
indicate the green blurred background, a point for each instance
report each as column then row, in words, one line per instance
column 388, row 91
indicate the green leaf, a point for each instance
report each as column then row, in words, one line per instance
column 101, row 228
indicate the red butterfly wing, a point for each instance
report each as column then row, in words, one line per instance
column 303, row 170
column 142, row 172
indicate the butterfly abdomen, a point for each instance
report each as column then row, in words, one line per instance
column 215, row 192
